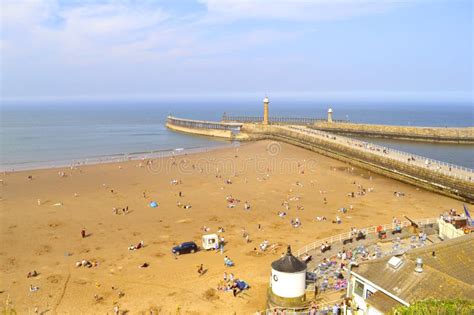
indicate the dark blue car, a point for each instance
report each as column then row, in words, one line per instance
column 184, row 248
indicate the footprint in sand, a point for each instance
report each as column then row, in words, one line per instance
column 44, row 249
column 54, row 225
column 54, row 278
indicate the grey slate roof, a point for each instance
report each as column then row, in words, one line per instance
column 448, row 274
column 289, row 263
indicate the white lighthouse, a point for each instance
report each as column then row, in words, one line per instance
column 330, row 115
column 288, row 282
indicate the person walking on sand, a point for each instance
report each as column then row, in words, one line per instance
column 200, row 270
column 83, row 233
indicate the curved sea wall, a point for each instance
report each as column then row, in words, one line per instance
column 431, row 134
column 457, row 183
column 206, row 128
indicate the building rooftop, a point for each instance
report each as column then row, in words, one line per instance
column 448, row 272
column 289, row 263
column 382, row 302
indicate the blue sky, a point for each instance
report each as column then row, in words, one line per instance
column 208, row 48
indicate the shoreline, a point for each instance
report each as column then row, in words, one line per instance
column 115, row 158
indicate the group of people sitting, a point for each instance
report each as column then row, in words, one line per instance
column 86, row 263
column 263, row 245
column 228, row 262
column 120, row 210
column 295, row 223
column 32, row 274
column 449, row 216
column 184, row 206
column 138, row 246
column 175, row 181
column 234, row 285
column 325, row 247
column 232, row 202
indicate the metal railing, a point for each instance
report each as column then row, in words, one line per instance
column 278, row 310
column 367, row 231
column 276, row 119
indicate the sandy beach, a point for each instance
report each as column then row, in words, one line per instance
column 44, row 211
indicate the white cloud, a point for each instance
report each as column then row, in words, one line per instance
column 294, row 10
column 95, row 38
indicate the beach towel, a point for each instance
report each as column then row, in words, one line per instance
column 153, row 204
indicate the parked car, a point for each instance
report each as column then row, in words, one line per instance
column 184, row 248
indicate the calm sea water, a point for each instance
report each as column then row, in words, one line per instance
column 57, row 133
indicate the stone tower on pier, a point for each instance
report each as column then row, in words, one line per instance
column 330, row 115
column 265, row 110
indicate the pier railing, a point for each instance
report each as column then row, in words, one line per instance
column 445, row 168
column 283, row 120
column 203, row 124
column 368, row 230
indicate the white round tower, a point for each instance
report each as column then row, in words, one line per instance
column 330, row 115
column 288, row 281
column 265, row 110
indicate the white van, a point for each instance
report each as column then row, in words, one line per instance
column 209, row 241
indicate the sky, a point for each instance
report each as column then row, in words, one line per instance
column 215, row 48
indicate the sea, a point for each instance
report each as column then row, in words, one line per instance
column 39, row 134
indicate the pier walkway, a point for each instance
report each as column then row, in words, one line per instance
column 456, row 171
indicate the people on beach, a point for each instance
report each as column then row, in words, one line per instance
column 200, row 270
column 32, row 274
column 141, row 244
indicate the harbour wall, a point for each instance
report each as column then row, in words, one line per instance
column 428, row 134
column 226, row 134
column 430, row 179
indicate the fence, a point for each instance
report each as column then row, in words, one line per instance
column 445, row 168
column 367, row 231
column 275, row 120
column 277, row 310
column 202, row 124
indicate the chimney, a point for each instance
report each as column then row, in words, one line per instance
column 419, row 265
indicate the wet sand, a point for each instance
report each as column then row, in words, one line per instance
column 47, row 238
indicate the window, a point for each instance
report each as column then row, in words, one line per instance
column 368, row 293
column 359, row 288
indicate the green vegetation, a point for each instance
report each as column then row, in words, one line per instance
column 439, row 307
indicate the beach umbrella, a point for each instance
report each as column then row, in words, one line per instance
column 153, row 204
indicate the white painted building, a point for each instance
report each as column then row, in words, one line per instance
column 288, row 281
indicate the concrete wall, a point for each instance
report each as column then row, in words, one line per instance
column 208, row 132
column 431, row 134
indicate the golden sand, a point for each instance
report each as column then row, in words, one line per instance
column 47, row 237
